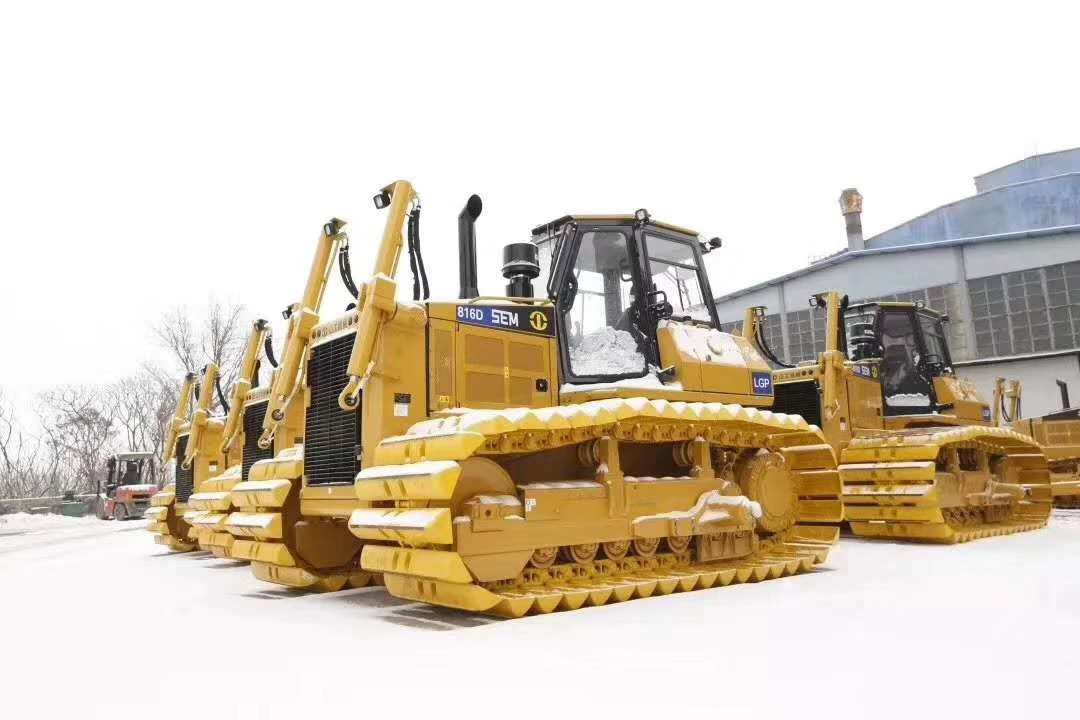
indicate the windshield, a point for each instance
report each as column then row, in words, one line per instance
column 906, row 389
column 937, row 351
column 674, row 271
column 599, row 320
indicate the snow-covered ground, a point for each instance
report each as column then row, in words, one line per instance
column 102, row 623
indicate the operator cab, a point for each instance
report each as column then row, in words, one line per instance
column 614, row 280
column 123, row 469
column 908, row 343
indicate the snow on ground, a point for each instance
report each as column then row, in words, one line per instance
column 988, row 629
column 21, row 521
column 24, row 530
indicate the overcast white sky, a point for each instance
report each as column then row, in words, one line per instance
column 152, row 155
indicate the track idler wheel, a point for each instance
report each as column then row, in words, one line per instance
column 764, row 478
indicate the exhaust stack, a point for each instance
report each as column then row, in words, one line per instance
column 851, row 208
column 467, row 247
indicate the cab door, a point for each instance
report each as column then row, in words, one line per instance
column 906, row 387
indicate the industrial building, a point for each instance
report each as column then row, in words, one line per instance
column 1004, row 264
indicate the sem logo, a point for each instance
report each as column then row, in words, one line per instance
column 504, row 318
column 762, row 383
column 538, row 320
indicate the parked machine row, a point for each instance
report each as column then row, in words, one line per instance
column 588, row 437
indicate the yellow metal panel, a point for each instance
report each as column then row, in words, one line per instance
column 897, row 512
column 261, row 493
column 442, row 446
column 818, row 482
column 429, row 480
column 163, row 498
column 256, row 525
column 210, row 501
column 209, row 521
column 435, row 564
column 336, row 501
column 266, row 552
column 441, row 334
column 825, row 511
column 424, row 525
column 898, row 472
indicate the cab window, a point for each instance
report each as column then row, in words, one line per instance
column 937, row 352
column 673, row 270
column 599, row 322
column 906, row 389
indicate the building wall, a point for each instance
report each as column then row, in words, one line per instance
column 768, row 297
column 1037, row 376
column 1002, row 256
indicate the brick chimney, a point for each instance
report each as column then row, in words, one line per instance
column 851, row 207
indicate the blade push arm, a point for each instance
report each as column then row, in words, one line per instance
column 1006, row 400
column 240, row 389
column 377, row 297
column 180, row 416
column 832, row 360
column 303, row 317
column 201, row 415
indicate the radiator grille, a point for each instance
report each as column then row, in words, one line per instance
column 798, row 398
column 185, row 479
column 253, row 421
column 331, row 435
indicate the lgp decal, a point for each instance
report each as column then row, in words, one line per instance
column 536, row 321
column 762, row 383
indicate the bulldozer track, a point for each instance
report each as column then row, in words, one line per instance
column 1065, row 474
column 167, row 524
column 897, row 484
column 414, row 476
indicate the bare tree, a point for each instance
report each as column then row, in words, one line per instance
column 142, row 406
column 218, row 337
column 29, row 465
column 76, row 422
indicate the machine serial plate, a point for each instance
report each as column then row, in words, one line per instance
column 534, row 320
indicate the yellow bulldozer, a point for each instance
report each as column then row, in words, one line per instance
column 193, row 442
column 1058, row 434
column 919, row 455
column 265, row 522
column 520, row 454
column 209, row 507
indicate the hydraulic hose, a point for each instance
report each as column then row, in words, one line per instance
column 346, row 268
column 416, row 257
column 759, row 337
column 221, row 395
column 268, row 348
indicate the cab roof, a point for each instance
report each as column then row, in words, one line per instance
column 133, row 455
column 554, row 225
column 895, row 305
